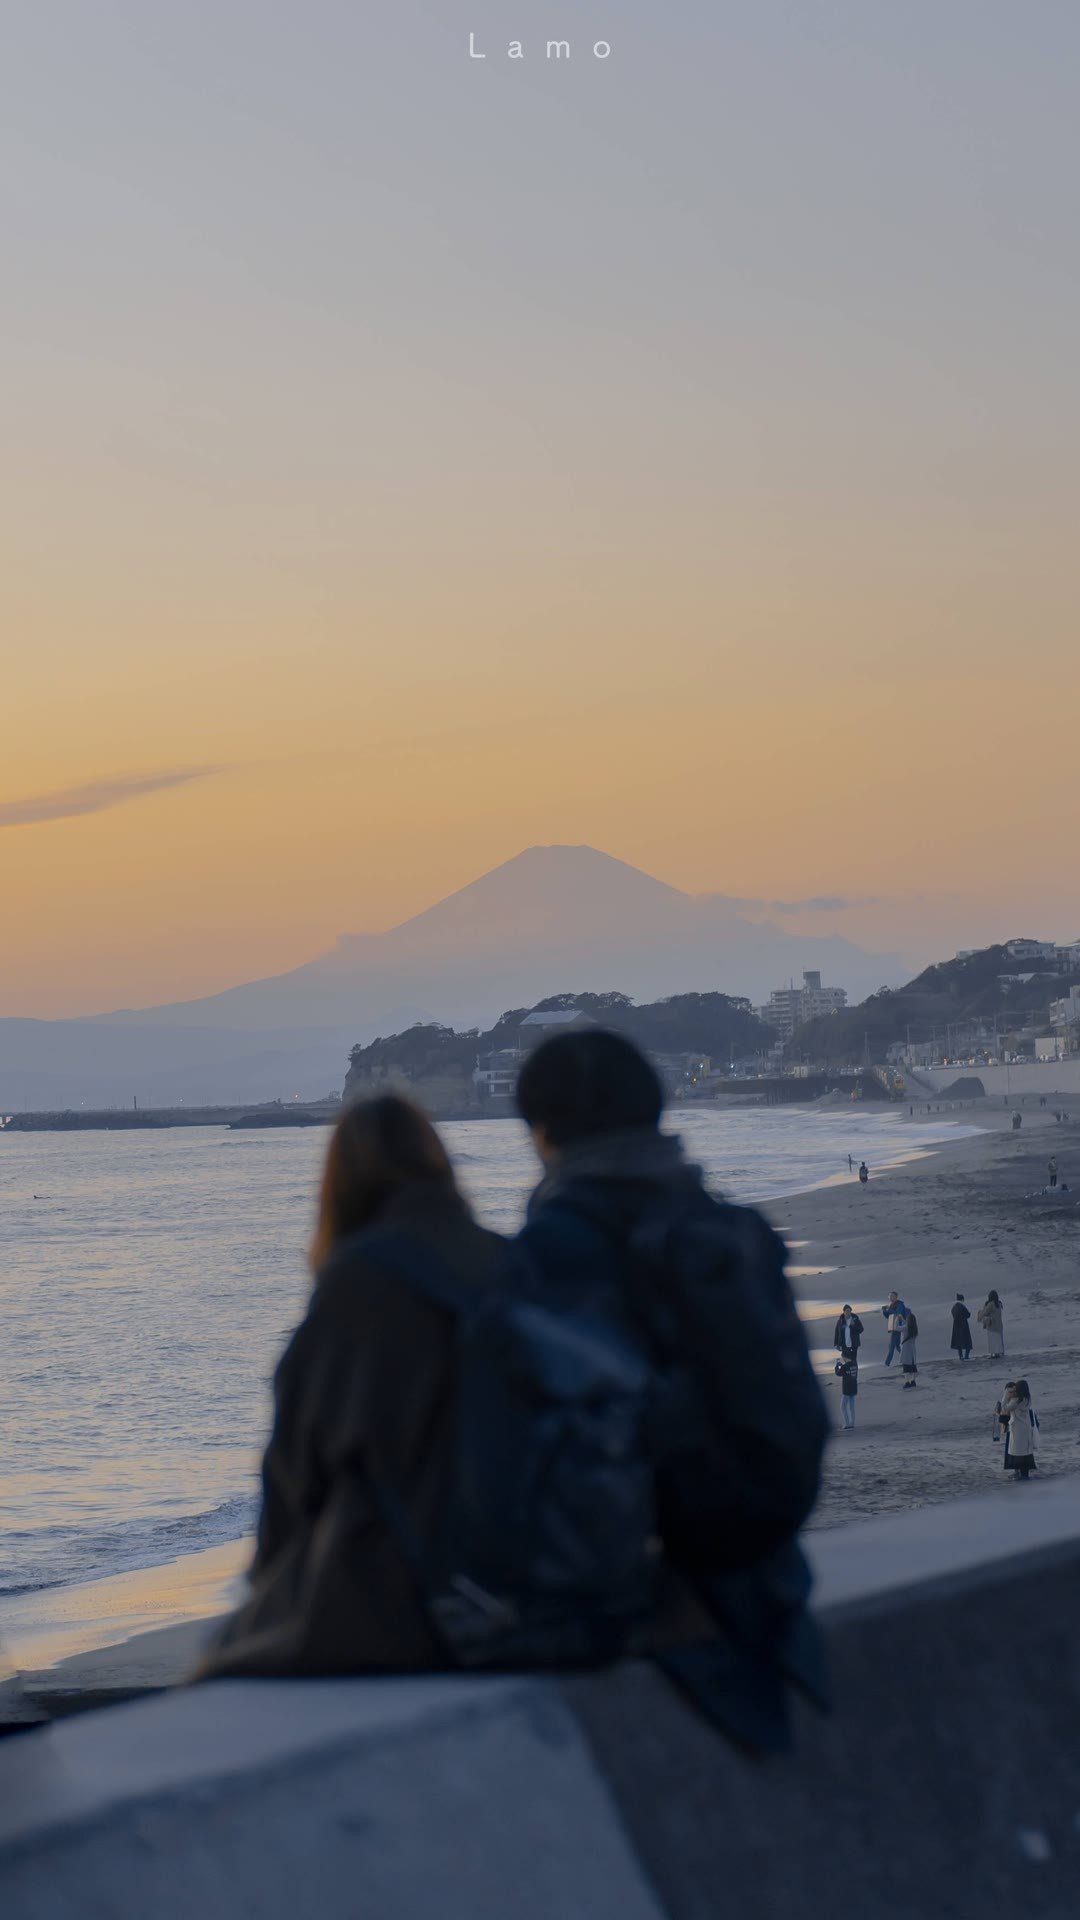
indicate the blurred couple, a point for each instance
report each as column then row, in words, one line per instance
column 595, row 1440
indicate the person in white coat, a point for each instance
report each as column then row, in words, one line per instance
column 1023, row 1428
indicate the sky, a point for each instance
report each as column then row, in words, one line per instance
column 406, row 458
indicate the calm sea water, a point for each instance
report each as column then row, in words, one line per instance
column 147, row 1281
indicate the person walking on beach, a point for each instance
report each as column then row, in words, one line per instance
column 909, row 1354
column 991, row 1318
column 847, row 1372
column 1023, row 1427
column 1052, row 1170
column 848, row 1333
column 893, row 1313
column 864, row 1173
column 961, row 1329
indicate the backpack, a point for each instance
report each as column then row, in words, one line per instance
column 583, row 1424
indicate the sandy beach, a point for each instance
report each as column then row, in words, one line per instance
column 962, row 1218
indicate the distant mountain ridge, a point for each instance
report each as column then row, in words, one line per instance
column 552, row 919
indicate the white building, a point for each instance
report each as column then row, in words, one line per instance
column 1030, row 949
column 790, row 1007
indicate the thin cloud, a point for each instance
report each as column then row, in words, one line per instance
column 97, row 796
column 818, row 903
column 827, row 903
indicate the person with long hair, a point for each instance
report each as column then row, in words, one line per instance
column 991, row 1317
column 1023, row 1422
column 362, row 1409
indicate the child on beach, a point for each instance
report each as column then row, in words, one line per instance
column 847, row 1372
column 1001, row 1419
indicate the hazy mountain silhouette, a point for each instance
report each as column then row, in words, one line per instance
column 549, row 920
column 552, row 919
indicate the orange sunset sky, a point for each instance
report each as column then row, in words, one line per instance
column 408, row 459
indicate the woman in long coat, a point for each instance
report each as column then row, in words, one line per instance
column 1023, row 1426
column 992, row 1318
column 961, row 1329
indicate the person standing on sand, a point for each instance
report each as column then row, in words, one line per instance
column 1001, row 1418
column 847, row 1372
column 991, row 1317
column 864, row 1173
column 1023, row 1426
column 848, row 1333
column 961, row 1329
column 893, row 1313
column 909, row 1354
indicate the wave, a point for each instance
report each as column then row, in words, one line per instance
column 67, row 1556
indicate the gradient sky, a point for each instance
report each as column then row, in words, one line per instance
column 407, row 459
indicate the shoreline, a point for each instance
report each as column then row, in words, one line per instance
column 977, row 1217
column 925, row 1211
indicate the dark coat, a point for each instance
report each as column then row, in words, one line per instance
column 733, row 1636
column 847, row 1336
column 961, row 1328
column 362, row 1397
column 848, row 1373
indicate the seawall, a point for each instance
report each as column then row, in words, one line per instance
column 1057, row 1079
column 947, row 1781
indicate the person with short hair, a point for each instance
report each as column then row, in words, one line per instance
column 1001, row 1418
column 847, row 1371
column 893, row 1313
column 620, row 1214
column 961, row 1329
column 848, row 1331
column 909, row 1353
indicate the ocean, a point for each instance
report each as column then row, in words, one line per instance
column 148, row 1281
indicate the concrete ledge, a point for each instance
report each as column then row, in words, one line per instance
column 954, row 1642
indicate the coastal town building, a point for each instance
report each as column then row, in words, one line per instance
column 1065, row 1020
column 495, row 1074
column 540, row 1026
column 682, row 1072
column 790, row 1007
column 1031, row 949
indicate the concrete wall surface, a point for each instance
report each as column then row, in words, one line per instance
column 946, row 1783
column 1058, row 1079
